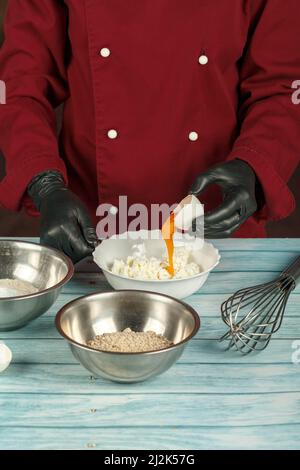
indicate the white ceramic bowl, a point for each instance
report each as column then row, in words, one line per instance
column 121, row 246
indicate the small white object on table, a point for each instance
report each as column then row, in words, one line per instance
column 5, row 357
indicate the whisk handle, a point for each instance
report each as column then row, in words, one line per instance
column 294, row 270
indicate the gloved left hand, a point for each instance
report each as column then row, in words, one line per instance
column 238, row 183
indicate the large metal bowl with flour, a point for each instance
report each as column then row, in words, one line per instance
column 44, row 269
column 121, row 246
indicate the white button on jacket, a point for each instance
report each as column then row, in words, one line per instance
column 105, row 52
column 193, row 136
column 203, row 60
column 112, row 134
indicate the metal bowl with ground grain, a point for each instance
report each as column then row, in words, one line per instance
column 107, row 312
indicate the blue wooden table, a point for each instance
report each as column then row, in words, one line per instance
column 209, row 400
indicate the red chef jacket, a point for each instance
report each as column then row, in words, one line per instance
column 155, row 92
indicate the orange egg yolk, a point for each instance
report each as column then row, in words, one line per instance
column 167, row 231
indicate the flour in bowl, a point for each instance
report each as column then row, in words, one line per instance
column 140, row 266
column 15, row 288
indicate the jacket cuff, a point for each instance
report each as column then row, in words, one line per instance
column 279, row 200
column 13, row 188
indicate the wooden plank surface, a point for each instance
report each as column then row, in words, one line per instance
column 210, row 399
column 162, row 437
column 150, row 409
column 182, row 378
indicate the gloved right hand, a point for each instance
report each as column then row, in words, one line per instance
column 65, row 222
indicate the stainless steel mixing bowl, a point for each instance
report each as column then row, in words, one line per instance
column 108, row 312
column 45, row 268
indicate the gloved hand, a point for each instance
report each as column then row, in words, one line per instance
column 238, row 183
column 65, row 222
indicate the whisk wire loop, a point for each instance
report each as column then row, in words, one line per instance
column 264, row 305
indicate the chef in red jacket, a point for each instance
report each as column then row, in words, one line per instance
column 161, row 98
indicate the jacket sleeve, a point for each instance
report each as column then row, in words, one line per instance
column 32, row 66
column 269, row 138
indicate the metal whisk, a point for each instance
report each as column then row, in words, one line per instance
column 253, row 314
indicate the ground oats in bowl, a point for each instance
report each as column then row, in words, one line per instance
column 128, row 341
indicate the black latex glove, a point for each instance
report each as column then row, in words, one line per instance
column 238, row 183
column 65, row 222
